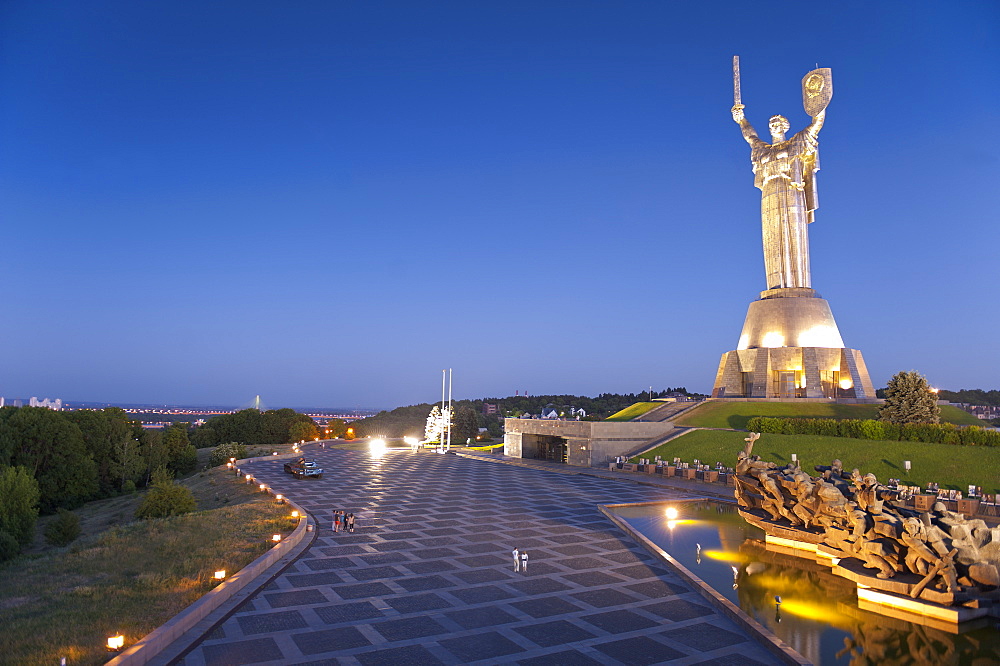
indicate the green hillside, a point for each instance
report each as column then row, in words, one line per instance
column 736, row 414
column 950, row 466
column 634, row 411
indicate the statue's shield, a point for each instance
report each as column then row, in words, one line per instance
column 817, row 90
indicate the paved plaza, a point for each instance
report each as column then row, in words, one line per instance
column 427, row 576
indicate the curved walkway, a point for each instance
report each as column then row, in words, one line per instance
column 427, row 579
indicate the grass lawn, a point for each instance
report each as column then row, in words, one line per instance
column 633, row 411
column 131, row 578
column 736, row 414
column 950, row 466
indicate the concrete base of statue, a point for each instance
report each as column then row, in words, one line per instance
column 791, row 348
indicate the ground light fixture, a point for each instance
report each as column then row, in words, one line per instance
column 263, row 487
column 219, row 575
column 295, row 514
column 280, row 498
column 276, row 538
column 116, row 643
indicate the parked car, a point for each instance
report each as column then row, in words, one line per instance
column 301, row 468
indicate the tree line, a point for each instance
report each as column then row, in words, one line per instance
column 255, row 428
column 972, row 396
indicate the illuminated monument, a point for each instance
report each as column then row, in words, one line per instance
column 790, row 346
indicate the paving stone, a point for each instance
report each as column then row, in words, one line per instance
column 731, row 660
column 415, row 655
column 409, row 628
column 362, row 590
column 638, row 651
column 575, row 549
column 424, row 583
column 539, row 586
column 429, row 567
column 677, row 610
column 296, row 598
column 314, row 579
column 545, row 607
column 330, row 640
column 484, row 561
column 592, row 579
column 432, row 542
column 328, row 563
column 383, row 558
column 581, row 563
column 604, row 598
column 624, row 557
column 564, row 658
column 418, row 603
column 656, row 589
column 477, row 618
column 251, row 651
column 333, row 551
column 557, row 632
column 703, row 635
column 374, row 573
column 477, row 548
column 491, row 645
column 619, row 621
column 540, row 569
column 434, row 553
column 483, row 594
column 387, row 546
column 271, row 622
column 352, row 612
column 639, row 572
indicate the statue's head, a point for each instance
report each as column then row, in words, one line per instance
column 779, row 125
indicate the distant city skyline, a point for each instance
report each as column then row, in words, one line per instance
column 328, row 203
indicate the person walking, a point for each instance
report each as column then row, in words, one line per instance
column 336, row 521
column 517, row 559
column 349, row 522
column 524, row 561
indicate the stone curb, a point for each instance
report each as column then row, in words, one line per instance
column 172, row 634
column 768, row 639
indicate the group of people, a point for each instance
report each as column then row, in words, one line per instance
column 520, row 559
column 342, row 521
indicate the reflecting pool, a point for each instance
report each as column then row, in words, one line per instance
column 818, row 613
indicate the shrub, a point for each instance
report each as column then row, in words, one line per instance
column 223, row 452
column 63, row 530
column 9, row 547
column 165, row 498
column 128, row 486
column 186, row 460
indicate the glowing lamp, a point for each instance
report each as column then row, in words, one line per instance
column 377, row 447
column 232, row 460
column 279, row 497
column 275, row 453
column 295, row 514
column 846, row 384
column 671, row 513
column 220, row 574
column 115, row 643
column 263, row 487
column 276, row 538
column 229, row 465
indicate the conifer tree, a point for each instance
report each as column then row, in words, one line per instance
column 909, row 399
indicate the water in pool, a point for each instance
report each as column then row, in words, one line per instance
column 818, row 614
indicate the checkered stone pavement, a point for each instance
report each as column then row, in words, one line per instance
column 427, row 576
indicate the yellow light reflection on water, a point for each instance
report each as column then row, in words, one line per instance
column 725, row 556
column 820, row 612
column 671, row 524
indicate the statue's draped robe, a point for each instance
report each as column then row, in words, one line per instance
column 785, row 173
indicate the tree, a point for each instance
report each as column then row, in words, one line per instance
column 909, row 399
column 300, row 430
column 165, row 498
column 18, row 504
column 204, row 437
column 336, row 427
column 110, row 437
column 52, row 449
column 466, row 425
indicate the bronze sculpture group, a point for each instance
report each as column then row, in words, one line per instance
column 938, row 556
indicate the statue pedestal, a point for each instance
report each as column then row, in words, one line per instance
column 790, row 347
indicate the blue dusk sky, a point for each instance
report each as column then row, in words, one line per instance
column 326, row 203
